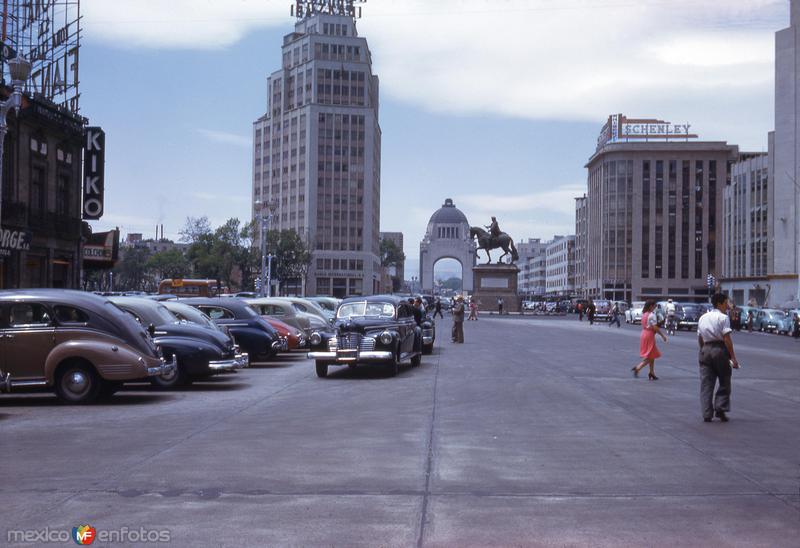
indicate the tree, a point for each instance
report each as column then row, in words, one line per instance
column 131, row 273
column 291, row 258
column 168, row 264
column 195, row 229
column 392, row 256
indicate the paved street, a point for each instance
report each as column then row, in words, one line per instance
column 532, row 433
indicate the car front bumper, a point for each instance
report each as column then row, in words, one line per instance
column 237, row 362
column 165, row 368
column 687, row 323
column 427, row 338
column 351, row 356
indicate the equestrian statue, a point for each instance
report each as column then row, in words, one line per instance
column 494, row 239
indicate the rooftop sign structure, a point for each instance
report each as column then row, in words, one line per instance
column 47, row 33
column 620, row 128
column 306, row 8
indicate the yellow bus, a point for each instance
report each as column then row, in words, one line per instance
column 191, row 288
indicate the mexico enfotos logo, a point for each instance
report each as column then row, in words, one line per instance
column 84, row 535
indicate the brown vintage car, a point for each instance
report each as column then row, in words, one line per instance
column 79, row 344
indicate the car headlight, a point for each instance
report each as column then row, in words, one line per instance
column 316, row 338
column 386, row 337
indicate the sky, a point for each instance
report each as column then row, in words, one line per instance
column 496, row 104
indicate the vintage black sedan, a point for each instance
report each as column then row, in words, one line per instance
column 370, row 330
column 252, row 332
column 198, row 352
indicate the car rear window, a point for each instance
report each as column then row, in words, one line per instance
column 70, row 314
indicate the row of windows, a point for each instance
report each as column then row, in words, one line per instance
column 340, row 264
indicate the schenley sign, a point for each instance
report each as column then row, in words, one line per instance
column 621, row 128
column 14, row 240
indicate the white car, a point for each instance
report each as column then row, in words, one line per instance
column 634, row 313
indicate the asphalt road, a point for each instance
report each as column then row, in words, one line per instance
column 533, row 433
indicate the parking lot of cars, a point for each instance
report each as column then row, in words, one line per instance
column 84, row 347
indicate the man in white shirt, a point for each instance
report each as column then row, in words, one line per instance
column 716, row 359
column 670, row 317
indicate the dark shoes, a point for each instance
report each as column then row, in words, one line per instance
column 652, row 377
column 707, row 419
column 722, row 416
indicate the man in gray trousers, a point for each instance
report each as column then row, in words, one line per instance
column 716, row 359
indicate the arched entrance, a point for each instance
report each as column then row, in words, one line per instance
column 448, row 277
column 447, row 237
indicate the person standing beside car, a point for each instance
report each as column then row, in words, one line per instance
column 615, row 316
column 590, row 311
column 438, row 309
column 717, row 359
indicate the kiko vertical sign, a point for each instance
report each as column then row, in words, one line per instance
column 94, row 157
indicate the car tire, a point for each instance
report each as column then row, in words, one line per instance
column 322, row 370
column 77, row 383
column 177, row 378
column 394, row 365
column 416, row 360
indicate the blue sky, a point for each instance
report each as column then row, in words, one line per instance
column 497, row 109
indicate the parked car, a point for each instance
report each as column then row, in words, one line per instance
column 634, row 313
column 769, row 319
column 326, row 303
column 286, row 312
column 198, row 352
column 308, row 307
column 687, row 315
column 190, row 314
column 79, row 344
column 369, row 330
column 253, row 333
column 294, row 337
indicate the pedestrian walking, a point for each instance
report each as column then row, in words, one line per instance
column 473, row 310
column 736, row 318
column 648, row 350
column 670, row 323
column 458, row 320
column 750, row 321
column 500, row 305
column 590, row 311
column 438, row 309
column 580, row 312
column 796, row 326
column 615, row 316
column 717, row 360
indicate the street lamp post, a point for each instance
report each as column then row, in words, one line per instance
column 266, row 262
column 20, row 70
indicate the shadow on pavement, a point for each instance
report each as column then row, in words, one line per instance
column 50, row 400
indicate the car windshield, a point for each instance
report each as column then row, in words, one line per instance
column 326, row 305
column 690, row 309
column 362, row 308
column 777, row 314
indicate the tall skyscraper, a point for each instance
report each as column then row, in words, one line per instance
column 785, row 188
column 317, row 150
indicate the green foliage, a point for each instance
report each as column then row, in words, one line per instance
column 168, row 264
column 452, row 283
column 131, row 273
column 391, row 254
column 291, row 257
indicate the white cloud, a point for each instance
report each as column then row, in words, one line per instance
column 544, row 59
column 224, row 137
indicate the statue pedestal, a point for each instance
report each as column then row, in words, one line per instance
column 496, row 281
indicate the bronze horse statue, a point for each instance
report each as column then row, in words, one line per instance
column 486, row 242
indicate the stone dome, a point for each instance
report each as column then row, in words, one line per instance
column 449, row 214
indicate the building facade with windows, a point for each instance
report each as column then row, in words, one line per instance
column 537, row 284
column 747, row 252
column 581, row 239
column 560, row 267
column 533, row 247
column 317, row 153
column 41, row 229
column 654, row 213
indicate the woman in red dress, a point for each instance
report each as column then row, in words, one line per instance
column 647, row 341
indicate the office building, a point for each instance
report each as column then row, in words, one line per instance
column 526, row 250
column 581, row 244
column 654, row 211
column 784, row 193
column 317, row 152
column 560, row 267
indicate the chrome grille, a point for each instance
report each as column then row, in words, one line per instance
column 351, row 341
